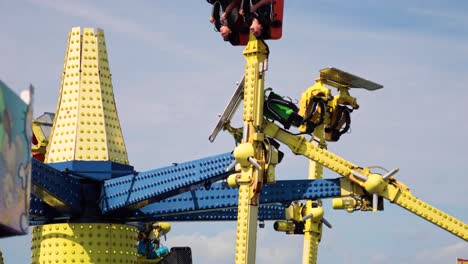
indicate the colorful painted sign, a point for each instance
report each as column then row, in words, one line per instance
column 15, row 161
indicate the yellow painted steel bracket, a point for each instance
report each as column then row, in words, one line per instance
column 316, row 91
column 42, row 141
column 306, row 219
column 390, row 189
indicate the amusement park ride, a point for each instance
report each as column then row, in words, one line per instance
column 89, row 205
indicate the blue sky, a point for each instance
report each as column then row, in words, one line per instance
column 172, row 75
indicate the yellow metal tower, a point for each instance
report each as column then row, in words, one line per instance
column 86, row 126
column 313, row 225
column 250, row 154
column 86, row 129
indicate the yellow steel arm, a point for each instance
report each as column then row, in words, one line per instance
column 390, row 188
column 299, row 145
column 312, row 235
column 406, row 200
column 250, row 154
column 313, row 229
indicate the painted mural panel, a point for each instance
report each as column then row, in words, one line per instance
column 15, row 161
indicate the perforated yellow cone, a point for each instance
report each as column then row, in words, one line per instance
column 86, row 125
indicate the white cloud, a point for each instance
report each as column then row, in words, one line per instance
column 445, row 254
column 379, row 259
column 217, row 248
column 101, row 17
column 163, row 40
column 450, row 16
column 278, row 248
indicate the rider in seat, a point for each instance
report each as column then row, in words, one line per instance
column 226, row 19
column 234, row 18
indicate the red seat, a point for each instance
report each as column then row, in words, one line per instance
column 276, row 25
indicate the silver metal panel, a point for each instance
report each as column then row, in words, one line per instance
column 347, row 79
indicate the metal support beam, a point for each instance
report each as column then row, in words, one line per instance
column 55, row 188
column 265, row 213
column 220, row 196
column 313, row 229
column 251, row 152
column 39, row 210
column 135, row 191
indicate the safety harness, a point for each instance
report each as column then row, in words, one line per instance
column 339, row 123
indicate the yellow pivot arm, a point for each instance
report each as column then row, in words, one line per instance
column 375, row 184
